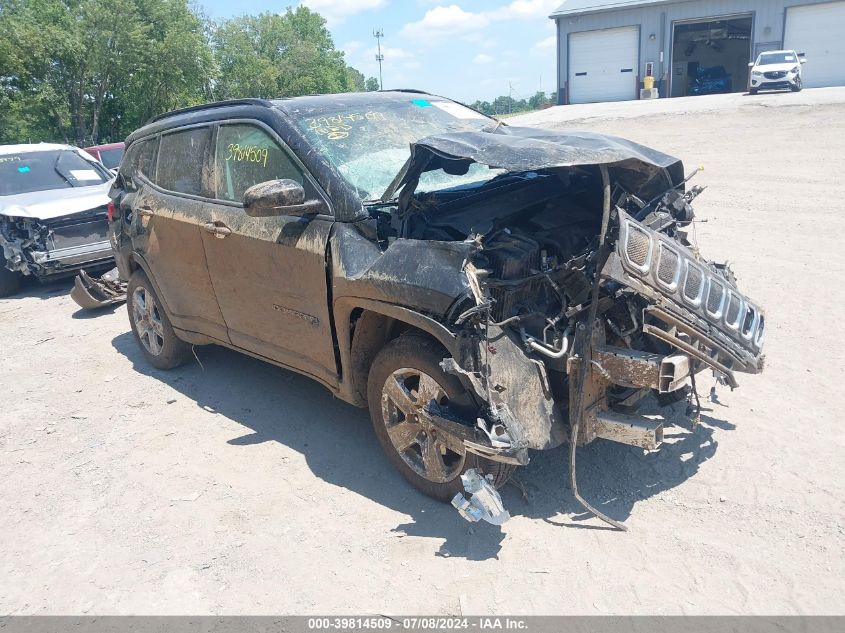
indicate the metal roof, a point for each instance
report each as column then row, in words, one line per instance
column 577, row 7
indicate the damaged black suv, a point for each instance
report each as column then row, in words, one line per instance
column 483, row 289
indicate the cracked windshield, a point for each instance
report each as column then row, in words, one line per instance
column 370, row 146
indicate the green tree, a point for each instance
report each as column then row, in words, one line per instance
column 372, row 85
column 539, row 100
column 273, row 55
column 84, row 70
column 88, row 71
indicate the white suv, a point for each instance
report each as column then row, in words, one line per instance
column 775, row 70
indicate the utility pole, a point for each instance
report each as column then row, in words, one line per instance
column 510, row 98
column 378, row 34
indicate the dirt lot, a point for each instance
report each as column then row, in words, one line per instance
column 237, row 487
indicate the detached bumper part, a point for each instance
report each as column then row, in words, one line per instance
column 484, row 503
column 90, row 293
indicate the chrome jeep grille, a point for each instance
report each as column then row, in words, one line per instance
column 676, row 272
column 732, row 316
column 694, row 284
column 715, row 296
column 669, row 266
column 638, row 247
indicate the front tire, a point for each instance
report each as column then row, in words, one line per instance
column 753, row 91
column 404, row 378
column 798, row 87
column 155, row 336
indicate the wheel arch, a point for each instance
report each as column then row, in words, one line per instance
column 136, row 262
column 364, row 327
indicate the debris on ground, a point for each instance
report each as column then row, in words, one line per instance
column 484, row 503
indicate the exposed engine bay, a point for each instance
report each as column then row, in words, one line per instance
column 54, row 246
column 585, row 295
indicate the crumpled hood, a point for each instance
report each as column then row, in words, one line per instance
column 642, row 170
column 55, row 203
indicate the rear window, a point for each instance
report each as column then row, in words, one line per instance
column 180, row 160
column 111, row 157
column 140, row 161
column 42, row 171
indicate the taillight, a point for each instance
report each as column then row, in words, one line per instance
column 112, row 211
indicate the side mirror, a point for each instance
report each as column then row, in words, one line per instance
column 751, row 64
column 803, row 60
column 276, row 197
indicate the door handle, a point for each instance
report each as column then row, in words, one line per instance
column 217, row 230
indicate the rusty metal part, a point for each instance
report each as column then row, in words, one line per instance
column 690, row 331
column 626, row 429
column 478, row 443
column 692, row 351
column 633, row 368
column 579, row 365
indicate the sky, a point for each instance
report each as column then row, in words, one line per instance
column 463, row 49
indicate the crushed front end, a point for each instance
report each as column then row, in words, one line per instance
column 56, row 245
column 585, row 294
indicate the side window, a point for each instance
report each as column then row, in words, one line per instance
column 181, row 156
column 139, row 161
column 245, row 156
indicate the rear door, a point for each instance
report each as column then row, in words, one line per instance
column 269, row 274
column 167, row 216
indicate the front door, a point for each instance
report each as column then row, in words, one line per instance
column 269, row 274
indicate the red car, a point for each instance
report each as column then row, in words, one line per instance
column 109, row 154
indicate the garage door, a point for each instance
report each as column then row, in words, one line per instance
column 816, row 30
column 603, row 65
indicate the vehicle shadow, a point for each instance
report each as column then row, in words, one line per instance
column 86, row 313
column 275, row 405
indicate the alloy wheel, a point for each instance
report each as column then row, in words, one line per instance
column 147, row 321
column 430, row 452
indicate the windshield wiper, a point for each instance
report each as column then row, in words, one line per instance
column 56, row 167
column 381, row 203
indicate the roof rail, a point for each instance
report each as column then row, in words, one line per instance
column 411, row 90
column 207, row 106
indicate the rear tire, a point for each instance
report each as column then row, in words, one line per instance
column 431, row 461
column 10, row 282
column 151, row 326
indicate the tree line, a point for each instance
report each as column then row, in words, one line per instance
column 506, row 104
column 92, row 71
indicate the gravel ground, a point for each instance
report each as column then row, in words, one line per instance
column 236, row 487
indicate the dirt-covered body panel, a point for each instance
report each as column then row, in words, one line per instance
column 553, row 269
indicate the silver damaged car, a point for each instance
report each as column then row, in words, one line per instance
column 53, row 213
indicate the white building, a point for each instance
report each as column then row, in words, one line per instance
column 606, row 47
